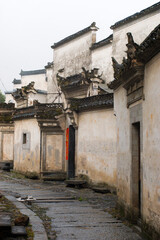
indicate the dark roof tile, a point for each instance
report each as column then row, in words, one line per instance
column 32, row 72
column 94, row 102
column 16, row 81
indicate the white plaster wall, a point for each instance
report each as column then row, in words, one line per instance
column 9, row 98
column 74, row 55
column 52, row 87
column 54, row 144
column 15, row 86
column 96, row 146
column 7, row 146
column 42, row 98
column 27, row 160
column 139, row 28
column 39, row 79
column 6, row 142
column 101, row 58
column 151, row 143
column 123, row 144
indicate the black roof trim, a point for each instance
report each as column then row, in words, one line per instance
column 137, row 15
column 91, row 103
column 16, row 81
column 24, row 115
column 75, row 35
column 8, row 92
column 33, row 72
column 103, row 42
column 7, row 105
column 41, row 91
column 134, row 66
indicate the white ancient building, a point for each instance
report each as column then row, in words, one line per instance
column 40, row 85
column 99, row 122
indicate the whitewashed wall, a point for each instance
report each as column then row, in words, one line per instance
column 74, row 55
column 96, row 146
column 52, row 87
column 42, row 98
column 101, row 58
column 9, row 98
column 27, row 158
column 123, row 144
column 39, row 79
column 7, row 141
column 151, row 143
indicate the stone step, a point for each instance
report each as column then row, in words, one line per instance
column 5, row 224
column 18, row 231
column 76, row 183
column 101, row 190
column 54, row 176
column 6, row 165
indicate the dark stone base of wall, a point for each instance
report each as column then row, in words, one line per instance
column 54, row 176
column 131, row 215
column 6, row 165
column 100, row 187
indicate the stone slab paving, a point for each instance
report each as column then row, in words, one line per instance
column 70, row 219
column 35, row 221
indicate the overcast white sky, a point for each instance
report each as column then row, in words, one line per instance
column 29, row 27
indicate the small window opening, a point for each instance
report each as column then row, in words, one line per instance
column 24, row 138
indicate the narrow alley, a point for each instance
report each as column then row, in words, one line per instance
column 72, row 213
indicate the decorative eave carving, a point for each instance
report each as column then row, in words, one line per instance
column 84, row 78
column 137, row 57
column 150, row 46
column 22, row 93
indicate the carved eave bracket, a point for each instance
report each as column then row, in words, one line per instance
column 134, row 85
column 84, row 78
column 132, row 48
column 22, row 93
column 130, row 73
column 72, row 118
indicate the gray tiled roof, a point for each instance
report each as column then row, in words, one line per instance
column 16, row 81
column 32, row 72
column 41, row 91
column 137, row 15
column 94, row 102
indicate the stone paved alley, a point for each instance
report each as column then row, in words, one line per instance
column 74, row 214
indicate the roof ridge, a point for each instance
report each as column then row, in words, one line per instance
column 137, row 15
column 75, row 35
column 32, row 72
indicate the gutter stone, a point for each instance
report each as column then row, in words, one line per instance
column 35, row 221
